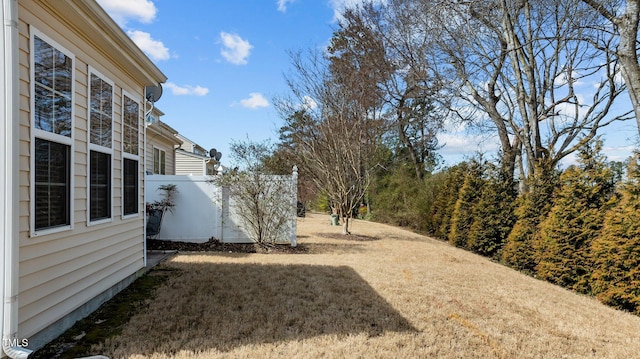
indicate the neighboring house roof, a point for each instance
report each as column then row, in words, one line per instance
column 194, row 155
column 193, row 147
column 163, row 130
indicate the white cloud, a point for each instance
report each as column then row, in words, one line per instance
column 340, row 5
column 153, row 48
column 308, row 103
column 186, row 90
column 618, row 153
column 121, row 11
column 613, row 153
column 459, row 146
column 565, row 78
column 282, row 5
column 236, row 50
column 255, row 100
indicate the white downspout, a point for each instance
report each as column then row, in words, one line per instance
column 144, row 169
column 144, row 195
column 145, row 113
column 9, row 190
column 5, row 169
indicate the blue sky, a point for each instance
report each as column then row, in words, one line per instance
column 225, row 60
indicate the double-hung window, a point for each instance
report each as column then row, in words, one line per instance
column 52, row 74
column 159, row 158
column 100, row 147
column 130, row 155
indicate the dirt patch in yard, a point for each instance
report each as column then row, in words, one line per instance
column 215, row 245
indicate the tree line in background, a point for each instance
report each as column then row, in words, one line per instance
column 577, row 228
column 545, row 77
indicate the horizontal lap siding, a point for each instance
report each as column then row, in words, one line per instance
column 157, row 141
column 187, row 165
column 60, row 272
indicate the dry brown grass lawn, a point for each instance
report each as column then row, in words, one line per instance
column 397, row 295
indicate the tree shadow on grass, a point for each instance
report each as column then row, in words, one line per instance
column 224, row 306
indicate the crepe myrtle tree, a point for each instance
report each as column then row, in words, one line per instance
column 333, row 118
column 261, row 197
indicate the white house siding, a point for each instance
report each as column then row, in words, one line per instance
column 189, row 164
column 60, row 272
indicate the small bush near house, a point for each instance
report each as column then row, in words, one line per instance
column 264, row 201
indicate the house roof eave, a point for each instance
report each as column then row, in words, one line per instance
column 164, row 131
column 91, row 22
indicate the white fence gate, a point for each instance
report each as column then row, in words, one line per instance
column 203, row 211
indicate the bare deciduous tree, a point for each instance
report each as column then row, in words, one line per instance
column 520, row 64
column 414, row 100
column 263, row 201
column 622, row 18
column 334, row 126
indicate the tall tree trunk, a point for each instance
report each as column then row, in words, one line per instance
column 628, row 27
column 345, row 226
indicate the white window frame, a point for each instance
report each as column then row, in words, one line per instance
column 98, row 148
column 126, row 155
column 154, row 160
column 49, row 136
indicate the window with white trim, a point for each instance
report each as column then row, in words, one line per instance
column 130, row 160
column 100, row 146
column 51, row 135
column 159, row 158
column 52, row 184
column 100, row 185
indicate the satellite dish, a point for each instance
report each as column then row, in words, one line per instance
column 153, row 93
column 212, row 152
column 218, row 156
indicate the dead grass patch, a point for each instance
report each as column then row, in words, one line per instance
column 348, row 237
column 404, row 296
column 232, row 305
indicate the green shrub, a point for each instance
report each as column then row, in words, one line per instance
column 439, row 217
column 399, row 198
column 531, row 208
column 616, row 251
column 494, row 215
column 463, row 213
column 563, row 242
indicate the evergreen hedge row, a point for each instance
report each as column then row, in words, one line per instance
column 578, row 228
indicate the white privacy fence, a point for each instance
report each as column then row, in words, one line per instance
column 204, row 210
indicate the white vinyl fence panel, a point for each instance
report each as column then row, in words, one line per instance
column 203, row 210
